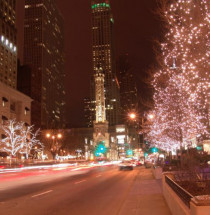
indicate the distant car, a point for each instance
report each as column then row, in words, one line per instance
column 148, row 164
column 126, row 165
column 138, row 163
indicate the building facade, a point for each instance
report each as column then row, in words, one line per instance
column 100, row 124
column 89, row 112
column 24, row 79
column 103, row 56
column 44, row 54
column 14, row 105
column 8, row 41
column 128, row 89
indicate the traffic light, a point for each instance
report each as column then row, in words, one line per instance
column 100, row 149
column 129, row 152
column 199, row 148
column 154, row 150
column 97, row 154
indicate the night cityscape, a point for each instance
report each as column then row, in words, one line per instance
column 105, row 107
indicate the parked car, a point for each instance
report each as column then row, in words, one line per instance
column 126, row 165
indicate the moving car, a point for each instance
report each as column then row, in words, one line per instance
column 126, row 165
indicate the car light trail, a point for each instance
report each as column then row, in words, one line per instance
column 37, row 167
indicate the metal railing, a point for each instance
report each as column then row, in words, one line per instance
column 183, row 194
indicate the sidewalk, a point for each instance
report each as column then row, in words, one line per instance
column 145, row 197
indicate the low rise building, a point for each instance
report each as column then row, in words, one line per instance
column 206, row 146
column 14, row 105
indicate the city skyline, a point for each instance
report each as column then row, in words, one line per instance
column 138, row 43
column 135, row 137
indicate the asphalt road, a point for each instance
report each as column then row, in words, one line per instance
column 102, row 190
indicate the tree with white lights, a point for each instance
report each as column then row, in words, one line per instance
column 30, row 141
column 19, row 139
column 12, row 143
column 182, row 84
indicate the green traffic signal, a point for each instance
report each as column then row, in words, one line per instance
column 129, row 152
column 101, row 149
column 154, row 150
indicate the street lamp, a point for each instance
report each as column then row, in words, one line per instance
column 151, row 116
column 48, row 135
column 54, row 148
column 59, row 136
column 132, row 116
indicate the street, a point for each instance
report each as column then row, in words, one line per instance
column 101, row 190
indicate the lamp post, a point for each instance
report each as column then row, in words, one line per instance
column 145, row 124
column 132, row 115
column 54, row 147
column 133, row 140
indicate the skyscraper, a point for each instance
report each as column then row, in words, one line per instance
column 128, row 89
column 103, row 56
column 8, row 41
column 44, row 53
column 89, row 112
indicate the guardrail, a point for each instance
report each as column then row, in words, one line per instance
column 183, row 194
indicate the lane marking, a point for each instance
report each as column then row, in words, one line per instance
column 79, row 182
column 98, row 176
column 49, row 191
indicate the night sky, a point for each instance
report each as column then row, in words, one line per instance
column 136, row 28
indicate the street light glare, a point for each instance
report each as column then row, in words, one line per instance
column 132, row 115
column 59, row 135
column 151, row 116
column 48, row 135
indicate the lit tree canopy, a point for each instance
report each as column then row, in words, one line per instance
column 30, row 141
column 19, row 138
column 12, row 143
column 182, row 84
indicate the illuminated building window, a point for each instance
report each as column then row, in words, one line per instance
column 2, row 38
column 26, row 110
column 39, row 5
column 4, row 100
column 27, row 6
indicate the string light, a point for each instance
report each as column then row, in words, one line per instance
column 182, row 84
